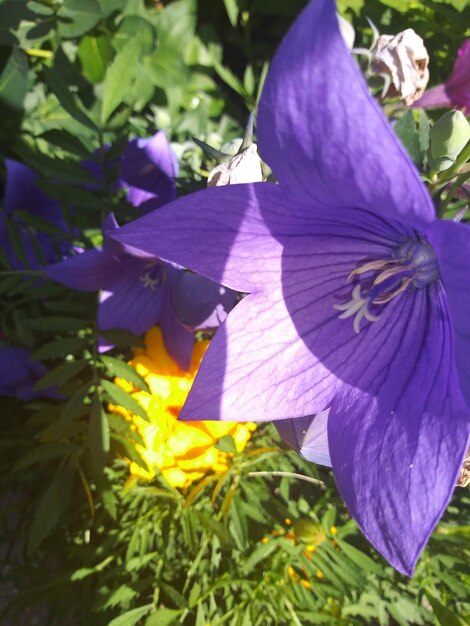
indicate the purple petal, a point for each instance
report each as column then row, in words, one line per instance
column 179, row 341
column 323, row 134
column 434, row 98
column 200, row 303
column 148, row 169
column 397, row 446
column 256, row 368
column 89, row 271
column 308, row 435
column 19, row 373
column 285, row 353
column 22, row 193
column 219, row 233
column 458, row 83
column 452, row 243
column 135, row 300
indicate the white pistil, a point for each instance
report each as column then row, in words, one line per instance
column 357, row 306
column 148, row 282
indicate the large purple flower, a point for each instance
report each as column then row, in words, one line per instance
column 358, row 297
column 140, row 291
column 33, row 231
column 455, row 92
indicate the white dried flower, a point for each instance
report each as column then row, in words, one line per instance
column 241, row 168
column 405, row 60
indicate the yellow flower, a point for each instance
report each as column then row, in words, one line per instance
column 182, row 451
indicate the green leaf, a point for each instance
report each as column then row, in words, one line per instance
column 58, row 348
column 231, row 6
column 44, row 452
column 359, row 558
column 73, row 407
column 177, row 23
column 78, row 17
column 63, row 94
column 249, row 81
column 116, row 367
column 124, row 399
column 109, row 6
column 445, row 617
column 133, row 26
column 230, row 79
column 98, row 435
column 129, row 618
column 163, row 617
column 226, row 444
column 14, row 81
column 123, row 338
column 60, row 374
column 119, row 77
column 261, row 552
column 167, row 66
column 51, row 506
column 406, row 129
column 95, row 53
column 59, row 324
column 424, row 128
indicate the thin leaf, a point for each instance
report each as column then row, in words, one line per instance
column 231, row 6
column 119, row 77
column 129, row 618
column 116, row 367
column 51, row 506
column 58, row 348
column 98, row 435
column 124, row 399
column 60, row 374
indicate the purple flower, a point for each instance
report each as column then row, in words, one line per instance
column 148, row 169
column 140, row 291
column 358, row 297
column 19, row 373
column 455, row 92
column 33, row 231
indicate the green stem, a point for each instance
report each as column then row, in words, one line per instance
column 452, row 189
column 307, row 479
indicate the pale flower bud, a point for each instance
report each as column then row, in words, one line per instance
column 405, row 60
column 241, row 168
column 347, row 31
column 447, row 138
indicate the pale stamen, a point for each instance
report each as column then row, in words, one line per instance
column 413, row 262
column 357, row 306
column 148, row 282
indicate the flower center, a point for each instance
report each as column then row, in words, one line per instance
column 412, row 264
column 153, row 276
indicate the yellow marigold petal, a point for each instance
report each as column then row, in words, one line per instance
column 241, row 436
column 182, row 451
column 218, row 429
column 186, row 437
column 204, row 460
column 136, row 470
column 175, row 477
column 156, row 351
